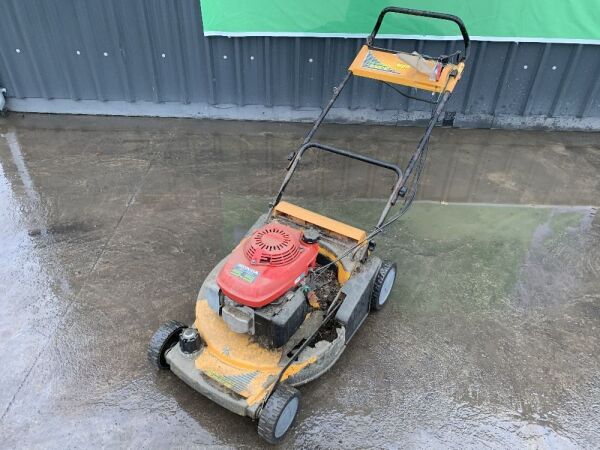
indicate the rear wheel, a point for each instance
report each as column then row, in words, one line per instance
column 277, row 416
column 165, row 337
column 383, row 285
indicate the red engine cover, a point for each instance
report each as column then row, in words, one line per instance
column 266, row 265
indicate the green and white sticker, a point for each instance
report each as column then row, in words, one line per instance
column 244, row 272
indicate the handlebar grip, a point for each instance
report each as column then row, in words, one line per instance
column 417, row 12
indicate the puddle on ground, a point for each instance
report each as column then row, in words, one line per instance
column 109, row 225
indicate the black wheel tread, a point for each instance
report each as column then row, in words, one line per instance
column 162, row 340
column 272, row 410
column 386, row 266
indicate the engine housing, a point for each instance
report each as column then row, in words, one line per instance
column 273, row 260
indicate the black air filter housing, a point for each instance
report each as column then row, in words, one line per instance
column 275, row 323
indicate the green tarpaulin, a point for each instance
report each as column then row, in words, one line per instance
column 493, row 20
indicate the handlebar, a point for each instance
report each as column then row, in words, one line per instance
column 417, row 12
column 352, row 155
column 349, row 154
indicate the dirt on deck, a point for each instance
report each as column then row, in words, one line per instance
column 328, row 287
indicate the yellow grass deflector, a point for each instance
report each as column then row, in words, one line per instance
column 293, row 211
column 389, row 67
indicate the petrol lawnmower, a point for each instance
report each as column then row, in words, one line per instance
column 279, row 310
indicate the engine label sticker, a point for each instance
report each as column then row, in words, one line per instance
column 244, row 272
column 299, row 279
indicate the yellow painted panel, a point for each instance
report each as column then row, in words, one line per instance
column 389, row 67
column 343, row 274
column 234, row 348
column 235, row 361
column 288, row 209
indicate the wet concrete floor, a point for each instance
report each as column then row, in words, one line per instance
column 108, row 226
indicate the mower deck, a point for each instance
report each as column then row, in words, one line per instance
column 234, row 369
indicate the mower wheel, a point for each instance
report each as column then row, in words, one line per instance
column 165, row 337
column 278, row 415
column 383, row 285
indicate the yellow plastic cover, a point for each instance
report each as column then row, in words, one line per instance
column 390, row 67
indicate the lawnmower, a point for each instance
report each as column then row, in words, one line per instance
column 280, row 309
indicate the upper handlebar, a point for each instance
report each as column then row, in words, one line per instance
column 417, row 12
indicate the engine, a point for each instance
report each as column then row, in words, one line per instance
column 258, row 284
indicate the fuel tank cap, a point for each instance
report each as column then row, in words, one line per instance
column 311, row 236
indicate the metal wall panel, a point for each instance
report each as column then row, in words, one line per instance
column 153, row 52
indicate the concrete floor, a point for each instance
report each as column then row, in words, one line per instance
column 109, row 225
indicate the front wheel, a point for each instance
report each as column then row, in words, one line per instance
column 162, row 341
column 383, row 285
column 277, row 416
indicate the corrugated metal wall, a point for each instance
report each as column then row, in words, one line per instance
column 149, row 57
